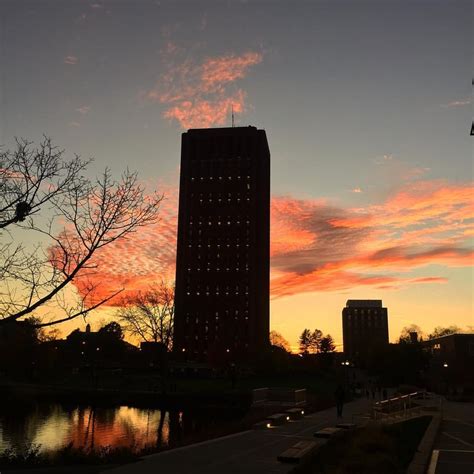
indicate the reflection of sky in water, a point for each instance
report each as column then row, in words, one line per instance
column 88, row 427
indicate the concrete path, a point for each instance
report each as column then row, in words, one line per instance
column 249, row 452
column 454, row 446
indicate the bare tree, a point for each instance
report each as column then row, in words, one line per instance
column 407, row 334
column 46, row 199
column 440, row 331
column 149, row 315
column 276, row 339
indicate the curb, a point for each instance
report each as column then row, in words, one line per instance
column 422, row 456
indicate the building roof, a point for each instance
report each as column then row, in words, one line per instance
column 214, row 130
column 447, row 336
column 364, row 304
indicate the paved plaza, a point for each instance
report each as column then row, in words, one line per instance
column 454, row 446
column 250, row 452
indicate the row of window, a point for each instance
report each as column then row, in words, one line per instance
column 230, row 256
column 228, row 161
column 216, row 292
column 190, row 347
column 364, row 311
column 363, row 317
column 216, row 195
column 220, row 247
column 225, row 313
column 194, row 179
column 366, row 323
column 242, row 287
column 218, row 221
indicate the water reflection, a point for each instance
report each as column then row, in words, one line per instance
column 53, row 426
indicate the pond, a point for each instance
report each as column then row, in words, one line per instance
column 55, row 425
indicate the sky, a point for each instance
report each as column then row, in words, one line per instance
column 367, row 106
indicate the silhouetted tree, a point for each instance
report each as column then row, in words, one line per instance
column 150, row 315
column 327, row 344
column 441, row 331
column 112, row 330
column 42, row 335
column 405, row 336
column 316, row 338
column 305, row 341
column 45, row 198
column 276, row 339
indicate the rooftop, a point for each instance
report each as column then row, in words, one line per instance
column 364, row 304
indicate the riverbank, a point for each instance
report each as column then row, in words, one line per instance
column 149, row 390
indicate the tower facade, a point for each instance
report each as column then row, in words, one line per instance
column 223, row 254
column 364, row 329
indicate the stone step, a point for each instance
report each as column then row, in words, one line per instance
column 346, row 426
column 300, row 451
column 328, row 432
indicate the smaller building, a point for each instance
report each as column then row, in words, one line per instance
column 364, row 329
column 451, row 362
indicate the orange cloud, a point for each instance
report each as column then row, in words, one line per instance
column 316, row 246
column 199, row 95
column 322, row 248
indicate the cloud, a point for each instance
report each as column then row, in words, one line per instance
column 317, row 246
column 201, row 94
column 325, row 248
column 380, row 160
column 71, row 60
column 84, row 109
column 457, row 103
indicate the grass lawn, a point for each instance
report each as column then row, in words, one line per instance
column 373, row 449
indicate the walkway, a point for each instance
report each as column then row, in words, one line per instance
column 454, row 445
column 249, row 452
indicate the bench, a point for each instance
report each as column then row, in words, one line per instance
column 278, row 419
column 346, row 426
column 328, row 432
column 300, row 451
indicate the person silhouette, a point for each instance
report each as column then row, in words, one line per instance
column 339, row 395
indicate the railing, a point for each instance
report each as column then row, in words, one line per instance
column 405, row 406
column 279, row 396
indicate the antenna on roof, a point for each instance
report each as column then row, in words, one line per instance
column 232, row 109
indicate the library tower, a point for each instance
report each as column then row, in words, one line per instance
column 223, row 255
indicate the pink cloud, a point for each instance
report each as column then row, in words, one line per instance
column 199, row 94
column 84, row 109
column 457, row 103
column 71, row 60
column 316, row 246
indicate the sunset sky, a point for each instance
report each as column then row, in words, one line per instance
column 367, row 109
